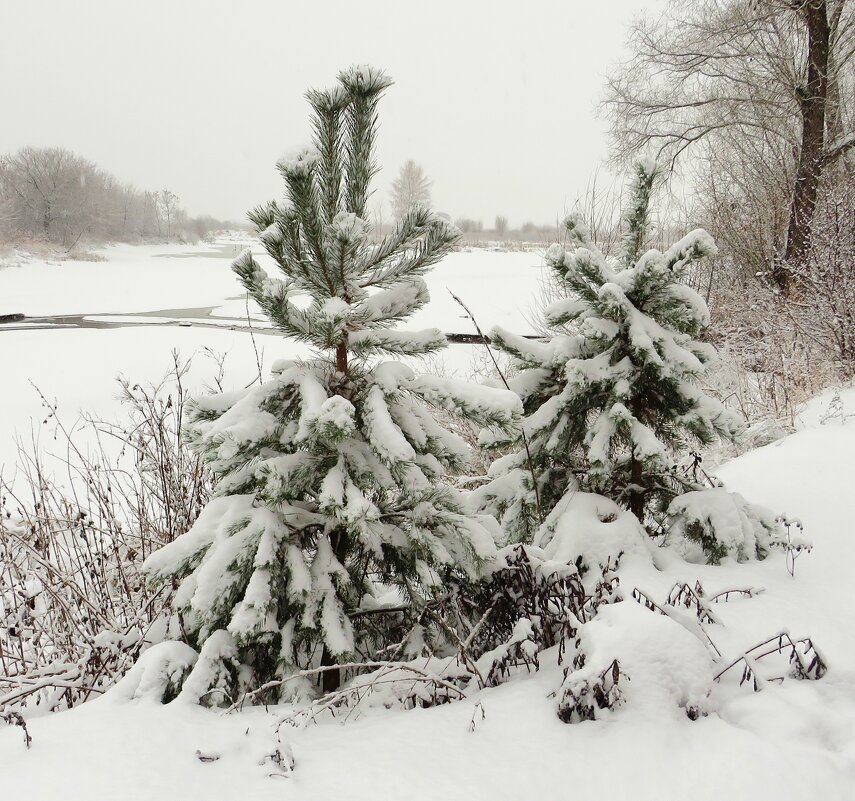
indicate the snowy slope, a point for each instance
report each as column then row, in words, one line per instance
column 792, row 741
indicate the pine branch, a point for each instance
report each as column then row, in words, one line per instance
column 637, row 215
column 327, row 124
column 419, row 240
column 365, row 86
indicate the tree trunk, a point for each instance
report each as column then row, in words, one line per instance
column 813, row 112
column 636, row 499
column 330, row 679
column 341, row 358
column 636, row 475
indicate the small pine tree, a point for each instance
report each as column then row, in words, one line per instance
column 331, row 475
column 612, row 399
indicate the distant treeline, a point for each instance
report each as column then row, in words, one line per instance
column 53, row 195
column 475, row 232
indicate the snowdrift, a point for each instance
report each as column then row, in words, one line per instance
column 788, row 741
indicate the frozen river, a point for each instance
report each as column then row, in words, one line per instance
column 88, row 322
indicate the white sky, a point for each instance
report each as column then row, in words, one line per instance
column 496, row 100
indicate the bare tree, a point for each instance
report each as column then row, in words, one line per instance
column 56, row 196
column 411, row 188
column 812, row 98
column 468, row 225
column 128, row 197
column 763, row 84
column 151, row 222
column 501, row 226
column 166, row 203
column 37, row 187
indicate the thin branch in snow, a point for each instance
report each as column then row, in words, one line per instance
column 501, row 375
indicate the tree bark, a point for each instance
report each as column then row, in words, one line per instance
column 341, row 358
column 636, row 475
column 813, row 113
column 636, row 500
column 330, row 679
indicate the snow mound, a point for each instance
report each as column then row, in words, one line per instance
column 591, row 524
column 665, row 670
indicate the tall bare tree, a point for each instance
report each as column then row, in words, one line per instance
column 758, row 93
column 166, row 203
column 39, row 189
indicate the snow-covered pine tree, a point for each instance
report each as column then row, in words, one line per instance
column 332, row 475
column 611, row 399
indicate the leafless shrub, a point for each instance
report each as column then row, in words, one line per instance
column 692, row 598
column 805, row 660
column 823, row 308
column 585, row 700
column 75, row 611
column 696, row 599
column 771, row 359
column 792, row 543
column 779, row 350
column 533, row 605
column 14, row 718
column 665, row 609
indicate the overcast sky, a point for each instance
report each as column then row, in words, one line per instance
column 496, row 100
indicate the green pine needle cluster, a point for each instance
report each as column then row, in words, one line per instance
column 321, row 242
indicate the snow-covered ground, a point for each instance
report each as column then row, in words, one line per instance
column 787, row 742
column 150, row 289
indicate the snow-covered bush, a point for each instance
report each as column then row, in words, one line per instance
column 612, row 399
column 158, row 674
column 333, row 512
column 713, row 524
column 648, row 661
column 532, row 603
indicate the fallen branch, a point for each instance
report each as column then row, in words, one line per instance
column 351, row 696
column 421, row 674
